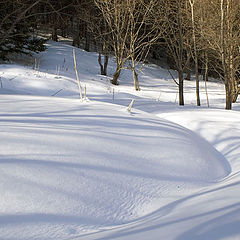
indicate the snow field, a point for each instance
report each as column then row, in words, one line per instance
column 71, row 169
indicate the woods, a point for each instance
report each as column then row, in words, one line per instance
column 195, row 36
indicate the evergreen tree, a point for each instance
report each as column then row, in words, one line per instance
column 16, row 28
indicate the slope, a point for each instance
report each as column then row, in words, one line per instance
column 71, row 169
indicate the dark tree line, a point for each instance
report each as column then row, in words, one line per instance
column 16, row 28
column 194, row 35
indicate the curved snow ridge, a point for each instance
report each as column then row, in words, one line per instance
column 218, row 127
column 72, row 167
column 216, row 165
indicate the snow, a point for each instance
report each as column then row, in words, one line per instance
column 92, row 170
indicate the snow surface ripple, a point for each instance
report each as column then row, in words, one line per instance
column 70, row 167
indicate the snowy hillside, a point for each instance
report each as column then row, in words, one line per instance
column 93, row 170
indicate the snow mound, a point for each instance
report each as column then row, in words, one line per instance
column 68, row 167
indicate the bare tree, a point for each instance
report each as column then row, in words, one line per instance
column 220, row 31
column 132, row 31
column 143, row 32
column 91, row 22
column 176, row 35
column 230, row 48
column 116, row 16
column 195, row 51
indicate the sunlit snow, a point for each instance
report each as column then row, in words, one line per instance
column 93, row 170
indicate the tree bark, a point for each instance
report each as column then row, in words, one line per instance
column 54, row 34
column 180, row 55
column 136, row 81
column 103, row 67
column 180, row 87
column 224, row 56
column 205, row 67
column 106, row 58
column 188, row 66
column 206, row 77
column 135, row 76
column 116, row 75
column 195, row 52
column 87, row 42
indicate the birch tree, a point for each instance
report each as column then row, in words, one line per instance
column 221, row 33
column 195, row 51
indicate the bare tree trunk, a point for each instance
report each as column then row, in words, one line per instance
column 76, row 41
column 180, row 87
column 135, row 75
column 236, row 90
column 100, row 63
column 188, row 66
column 136, row 81
column 197, row 82
column 54, row 34
column 180, row 57
column 232, row 77
column 87, row 42
column 103, row 67
column 206, row 77
column 116, row 75
column 86, row 36
column 228, row 97
column 195, row 52
column 224, row 56
column 205, row 67
column 76, row 34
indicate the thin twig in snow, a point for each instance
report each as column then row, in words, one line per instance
column 173, row 77
column 57, row 92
